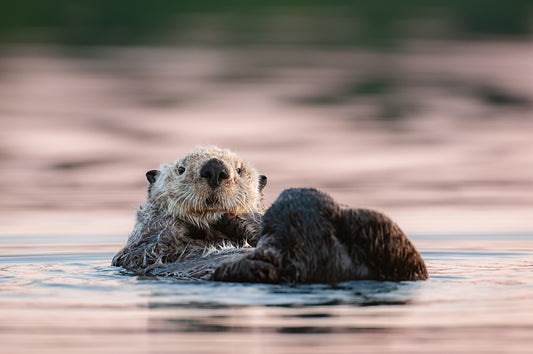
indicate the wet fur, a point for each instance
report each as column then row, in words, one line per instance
column 304, row 237
column 184, row 218
column 308, row 238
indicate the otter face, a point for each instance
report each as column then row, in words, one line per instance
column 206, row 183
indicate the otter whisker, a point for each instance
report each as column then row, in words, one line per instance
column 176, row 207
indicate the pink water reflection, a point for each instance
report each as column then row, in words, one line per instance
column 78, row 133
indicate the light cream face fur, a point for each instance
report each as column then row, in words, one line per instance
column 179, row 188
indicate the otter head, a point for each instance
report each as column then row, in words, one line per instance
column 205, row 184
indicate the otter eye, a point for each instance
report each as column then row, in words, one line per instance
column 181, row 169
column 239, row 171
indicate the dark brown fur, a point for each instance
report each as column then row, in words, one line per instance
column 308, row 238
column 203, row 214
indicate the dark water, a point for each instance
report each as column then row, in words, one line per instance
column 59, row 294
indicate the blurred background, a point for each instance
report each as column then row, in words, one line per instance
column 421, row 109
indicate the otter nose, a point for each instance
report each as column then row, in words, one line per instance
column 214, row 171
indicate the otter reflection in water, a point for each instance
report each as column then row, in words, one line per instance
column 207, row 225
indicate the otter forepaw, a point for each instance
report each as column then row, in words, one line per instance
column 247, row 271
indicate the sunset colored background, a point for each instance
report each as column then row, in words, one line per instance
column 423, row 112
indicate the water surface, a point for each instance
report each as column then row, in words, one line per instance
column 59, row 294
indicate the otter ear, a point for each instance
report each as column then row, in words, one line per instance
column 262, row 182
column 151, row 175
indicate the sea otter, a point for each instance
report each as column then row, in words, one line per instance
column 208, row 200
column 203, row 216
